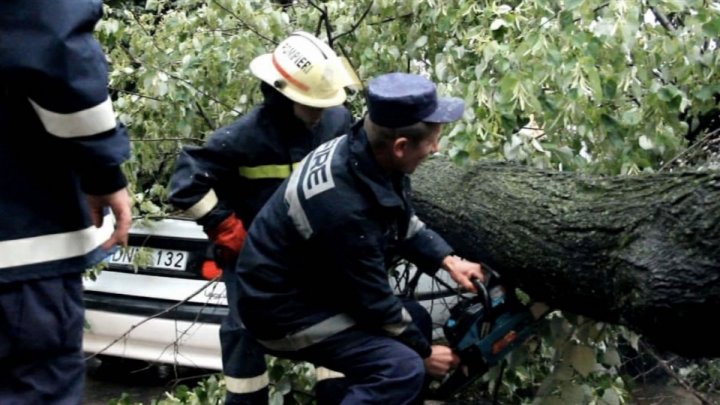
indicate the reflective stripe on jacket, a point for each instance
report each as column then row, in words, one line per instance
column 315, row 261
column 243, row 163
column 58, row 138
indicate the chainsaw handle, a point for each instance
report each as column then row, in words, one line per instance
column 488, row 273
column 482, row 290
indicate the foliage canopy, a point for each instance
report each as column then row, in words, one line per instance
column 611, row 87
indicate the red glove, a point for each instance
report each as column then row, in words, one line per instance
column 229, row 237
column 210, row 270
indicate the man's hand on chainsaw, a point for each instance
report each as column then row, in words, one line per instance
column 441, row 361
column 463, row 271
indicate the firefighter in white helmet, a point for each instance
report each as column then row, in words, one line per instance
column 306, row 70
column 223, row 184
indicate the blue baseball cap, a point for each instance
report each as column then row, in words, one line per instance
column 400, row 99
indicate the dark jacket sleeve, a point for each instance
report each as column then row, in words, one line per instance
column 347, row 122
column 421, row 245
column 48, row 52
column 356, row 253
column 199, row 171
column 424, row 247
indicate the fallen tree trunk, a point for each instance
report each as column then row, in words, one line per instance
column 642, row 251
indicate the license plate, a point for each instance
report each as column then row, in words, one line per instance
column 150, row 257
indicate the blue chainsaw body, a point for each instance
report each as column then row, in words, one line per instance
column 483, row 329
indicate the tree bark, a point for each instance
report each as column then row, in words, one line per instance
column 641, row 251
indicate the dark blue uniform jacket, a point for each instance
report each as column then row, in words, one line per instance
column 315, row 261
column 59, row 138
column 244, row 162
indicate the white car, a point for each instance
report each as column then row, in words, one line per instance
column 186, row 309
column 161, row 309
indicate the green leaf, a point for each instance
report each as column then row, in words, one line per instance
column 508, row 84
column 284, row 385
column 498, row 23
column 609, row 88
column 573, row 4
column 706, row 93
column 646, row 143
column 668, row 93
column 572, row 394
column 594, row 81
column 632, row 337
column 276, row 398
column 582, row 358
column 712, row 27
column 611, row 357
column 610, row 397
column 550, row 400
column 631, row 117
column 563, row 372
column 566, row 20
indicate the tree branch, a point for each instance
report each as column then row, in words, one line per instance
column 315, row 6
column 691, row 148
column 136, row 94
column 662, row 19
column 152, row 37
column 243, row 23
column 323, row 17
column 685, row 384
column 595, row 10
column 390, row 19
column 209, row 123
column 185, row 81
column 357, row 24
column 319, row 26
column 328, row 27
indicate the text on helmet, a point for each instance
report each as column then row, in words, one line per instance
column 296, row 57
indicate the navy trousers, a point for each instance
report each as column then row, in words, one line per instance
column 41, row 327
column 243, row 358
column 331, row 391
column 377, row 369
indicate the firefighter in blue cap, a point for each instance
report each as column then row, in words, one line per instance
column 313, row 279
column 224, row 184
column 61, row 148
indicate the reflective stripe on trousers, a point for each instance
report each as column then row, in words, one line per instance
column 311, row 335
column 323, row 373
column 247, row 385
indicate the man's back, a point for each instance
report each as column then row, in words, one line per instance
column 60, row 155
column 59, row 139
column 313, row 281
column 319, row 249
column 282, row 246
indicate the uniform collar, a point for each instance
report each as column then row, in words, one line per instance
column 366, row 167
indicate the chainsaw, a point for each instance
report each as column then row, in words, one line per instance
column 483, row 328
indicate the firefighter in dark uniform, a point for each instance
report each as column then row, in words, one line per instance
column 60, row 154
column 224, row 184
column 313, row 281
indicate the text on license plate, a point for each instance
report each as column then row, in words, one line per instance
column 150, row 257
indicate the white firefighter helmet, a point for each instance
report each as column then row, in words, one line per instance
column 306, row 70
